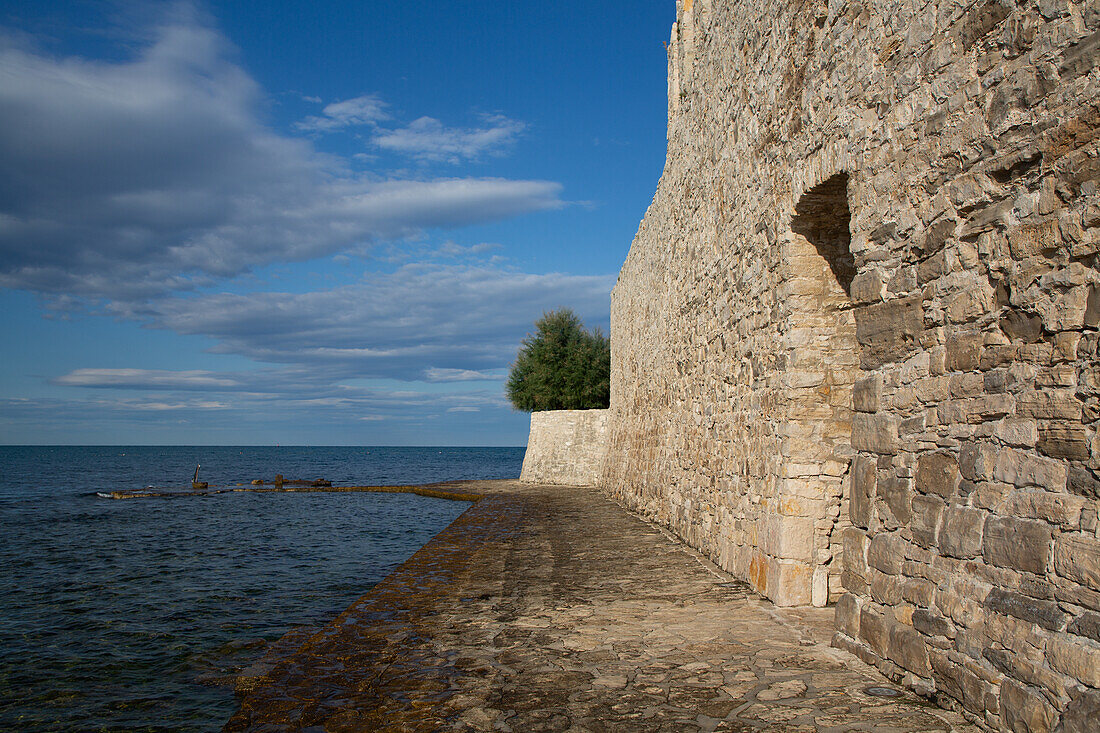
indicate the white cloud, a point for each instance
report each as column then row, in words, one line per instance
column 147, row 379
column 444, row 323
column 365, row 110
column 286, row 412
column 131, row 183
column 452, row 249
column 427, row 139
column 435, row 374
column 125, row 180
column 165, row 406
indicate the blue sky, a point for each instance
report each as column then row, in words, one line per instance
column 259, row 222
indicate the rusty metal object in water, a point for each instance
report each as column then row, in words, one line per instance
column 195, row 483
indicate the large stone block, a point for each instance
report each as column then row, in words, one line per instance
column 930, row 623
column 867, row 394
column 961, row 532
column 855, row 551
column 1056, row 508
column 868, row 286
column 1047, row 614
column 896, row 494
column 908, row 650
column 1066, row 440
column 863, row 479
column 874, row 630
column 785, row 582
column 789, row 583
column 1081, row 714
column 787, row 537
column 925, row 522
column 886, row 553
column 847, row 615
column 1087, row 625
column 1030, row 241
column 974, row 410
column 854, row 583
column 885, row 589
column 877, row 433
column 1023, row 468
column 1017, row 431
column 1019, row 325
column 1049, row 404
column 889, row 331
column 966, row 385
column 1079, row 658
column 1025, row 710
column 1077, row 557
column 963, row 352
column 969, row 303
column 1020, row 544
column 938, row 473
column 977, row 461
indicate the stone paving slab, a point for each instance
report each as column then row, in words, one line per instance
column 548, row 608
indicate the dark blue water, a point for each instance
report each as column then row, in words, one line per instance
column 137, row 614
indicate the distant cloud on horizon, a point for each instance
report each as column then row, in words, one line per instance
column 147, row 379
column 435, row 374
column 229, row 413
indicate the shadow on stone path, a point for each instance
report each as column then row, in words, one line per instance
column 552, row 609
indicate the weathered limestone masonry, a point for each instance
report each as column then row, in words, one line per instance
column 855, row 340
column 566, row 447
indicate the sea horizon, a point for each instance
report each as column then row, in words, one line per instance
column 243, row 445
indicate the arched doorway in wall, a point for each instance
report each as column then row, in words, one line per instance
column 824, row 361
column 823, row 218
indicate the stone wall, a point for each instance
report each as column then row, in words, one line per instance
column 566, row 447
column 855, row 339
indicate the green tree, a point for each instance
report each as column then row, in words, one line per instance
column 561, row 366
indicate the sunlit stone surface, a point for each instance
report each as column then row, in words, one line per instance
column 855, row 339
column 551, row 608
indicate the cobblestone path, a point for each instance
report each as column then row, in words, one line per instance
column 553, row 609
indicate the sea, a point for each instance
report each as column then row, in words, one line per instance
column 138, row 614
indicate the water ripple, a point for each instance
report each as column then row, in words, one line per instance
column 136, row 615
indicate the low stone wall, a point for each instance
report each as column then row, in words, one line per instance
column 566, row 447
